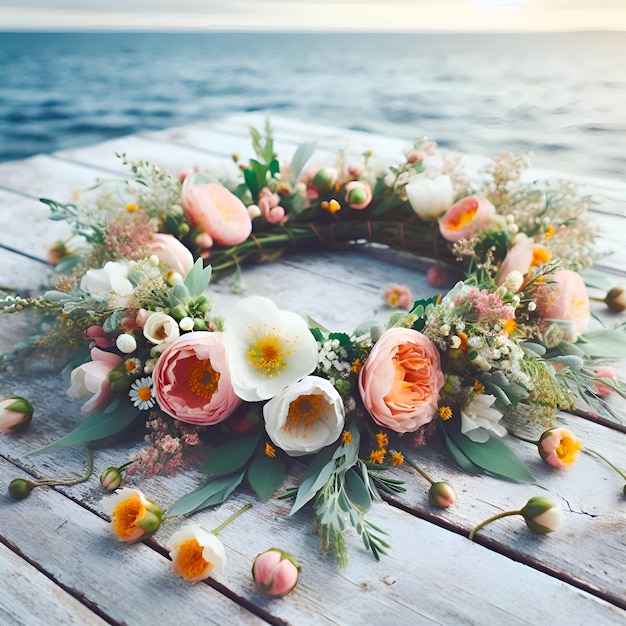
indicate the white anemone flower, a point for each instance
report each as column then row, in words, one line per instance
column 161, row 328
column 305, row 417
column 479, row 419
column 430, row 197
column 109, row 281
column 268, row 349
column 196, row 553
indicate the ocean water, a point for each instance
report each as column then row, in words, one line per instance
column 559, row 97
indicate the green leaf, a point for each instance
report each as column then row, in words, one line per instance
column 260, row 172
column 214, row 492
column 494, row 457
column 603, row 343
column 357, row 492
column 111, row 323
column 343, row 338
column 98, row 425
column 459, row 457
column 251, row 181
column 230, row 456
column 266, row 475
column 274, row 167
column 300, row 158
column 198, row 278
column 317, row 474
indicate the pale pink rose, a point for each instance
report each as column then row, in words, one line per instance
column 401, row 379
column 559, row 447
column 398, row 296
column 604, row 371
column 92, row 378
column 275, row 572
column 517, row 259
column 171, row 252
column 466, row 217
column 358, row 194
column 216, row 211
column 564, row 298
column 192, row 380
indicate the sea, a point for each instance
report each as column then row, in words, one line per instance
column 558, row 97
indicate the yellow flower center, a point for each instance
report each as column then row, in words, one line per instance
column 126, row 515
column 190, row 559
column 567, row 449
column 540, row 256
column 131, row 365
column 225, row 210
column 305, row 412
column 203, row 379
column 266, row 355
column 131, row 207
column 462, row 218
column 144, row 393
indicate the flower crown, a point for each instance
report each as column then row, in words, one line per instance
column 265, row 385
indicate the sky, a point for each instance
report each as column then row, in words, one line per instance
column 412, row 15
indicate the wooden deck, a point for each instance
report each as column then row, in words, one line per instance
column 60, row 565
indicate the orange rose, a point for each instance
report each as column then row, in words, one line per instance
column 466, row 217
column 401, row 379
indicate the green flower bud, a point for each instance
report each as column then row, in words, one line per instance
column 326, row 179
column 16, row 414
column 199, row 324
column 19, row 488
column 179, row 312
column 615, row 299
column 111, row 478
column 181, row 292
column 441, row 494
column 183, row 229
column 542, row 515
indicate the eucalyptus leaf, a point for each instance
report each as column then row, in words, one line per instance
column 494, row 457
column 317, row 474
column 460, row 457
column 98, row 425
column 357, row 492
column 603, row 343
column 198, row 278
column 230, row 456
column 266, row 475
column 214, row 492
column 303, row 153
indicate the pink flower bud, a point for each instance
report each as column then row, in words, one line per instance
column 442, row 495
column 275, row 572
column 356, row 169
column 415, row 156
column 358, row 194
column 604, row 371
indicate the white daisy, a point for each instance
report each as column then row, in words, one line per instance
column 141, row 393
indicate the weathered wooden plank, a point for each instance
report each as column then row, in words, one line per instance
column 28, row 598
column 73, row 546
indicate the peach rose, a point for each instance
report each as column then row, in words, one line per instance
column 171, row 252
column 192, row 380
column 564, row 298
column 521, row 257
column 92, row 378
column 216, row 211
column 401, row 379
column 466, row 217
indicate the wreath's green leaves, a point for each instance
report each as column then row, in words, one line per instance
column 603, row 343
column 317, row 474
column 230, row 456
column 300, row 158
column 251, row 181
column 111, row 323
column 198, row 278
column 343, row 338
column 266, row 475
column 459, row 456
column 357, row 492
column 494, row 457
column 214, row 492
column 98, row 425
column 274, row 167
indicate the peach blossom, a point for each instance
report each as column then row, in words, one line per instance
column 171, row 252
column 604, row 371
column 275, row 572
column 559, row 447
column 192, row 380
column 564, row 298
column 398, row 296
column 92, row 378
column 216, row 211
column 401, row 379
column 466, row 217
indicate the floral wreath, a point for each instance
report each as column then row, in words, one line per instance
column 264, row 385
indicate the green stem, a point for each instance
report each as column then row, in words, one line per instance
column 231, row 518
column 533, row 441
column 51, row 482
column 600, row 456
column 492, row 519
column 419, row 470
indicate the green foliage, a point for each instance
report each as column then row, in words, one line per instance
column 231, row 456
column 214, row 492
column 603, row 343
column 266, row 475
column 197, row 280
column 303, row 153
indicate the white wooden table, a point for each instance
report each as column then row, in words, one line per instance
column 59, row 564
